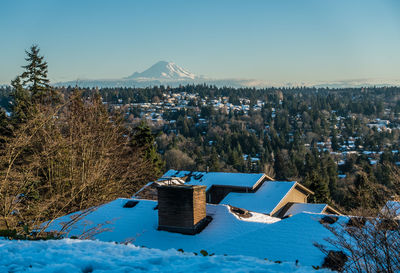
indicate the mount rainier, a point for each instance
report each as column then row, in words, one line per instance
column 162, row 70
column 162, row 73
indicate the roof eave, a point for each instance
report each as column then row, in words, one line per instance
column 304, row 188
column 261, row 179
column 280, row 201
column 332, row 209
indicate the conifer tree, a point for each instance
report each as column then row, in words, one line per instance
column 334, row 140
column 34, row 78
column 319, row 186
column 5, row 130
column 22, row 102
column 143, row 138
column 214, row 164
column 35, row 74
column 249, row 164
column 364, row 191
column 331, row 169
column 233, row 157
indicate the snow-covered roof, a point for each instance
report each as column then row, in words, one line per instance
column 286, row 240
column 264, row 200
column 172, row 181
column 297, row 208
column 149, row 191
column 393, row 208
column 209, row 179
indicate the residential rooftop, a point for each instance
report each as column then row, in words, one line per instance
column 267, row 237
column 264, row 200
column 209, row 179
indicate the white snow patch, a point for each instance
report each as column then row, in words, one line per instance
column 259, row 217
column 93, row 256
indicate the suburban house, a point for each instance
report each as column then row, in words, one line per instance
column 221, row 213
column 254, row 192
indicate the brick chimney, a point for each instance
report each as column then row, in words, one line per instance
column 182, row 208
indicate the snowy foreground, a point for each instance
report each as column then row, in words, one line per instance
column 93, row 256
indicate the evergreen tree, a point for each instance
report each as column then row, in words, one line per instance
column 383, row 174
column 5, row 130
column 249, row 164
column 366, row 193
column 34, row 78
column 319, row 186
column 143, row 138
column 233, row 157
column 22, row 102
column 35, row 73
column 363, row 191
column 335, row 142
column 281, row 166
column 214, row 164
column 331, row 169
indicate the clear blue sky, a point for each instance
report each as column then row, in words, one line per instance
column 277, row 41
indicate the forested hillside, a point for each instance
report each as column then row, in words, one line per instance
column 342, row 143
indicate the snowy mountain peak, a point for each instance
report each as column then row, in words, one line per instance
column 163, row 70
column 162, row 73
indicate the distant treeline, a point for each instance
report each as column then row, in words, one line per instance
column 336, row 97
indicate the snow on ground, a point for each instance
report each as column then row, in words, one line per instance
column 93, row 256
column 286, row 240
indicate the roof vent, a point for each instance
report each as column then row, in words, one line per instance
column 130, row 204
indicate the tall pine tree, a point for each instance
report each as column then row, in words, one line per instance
column 34, row 78
column 35, row 74
column 143, row 138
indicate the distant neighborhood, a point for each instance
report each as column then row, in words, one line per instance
column 155, row 113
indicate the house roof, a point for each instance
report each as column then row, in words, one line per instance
column 297, row 208
column 393, row 208
column 149, row 191
column 264, row 200
column 209, row 179
column 284, row 240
